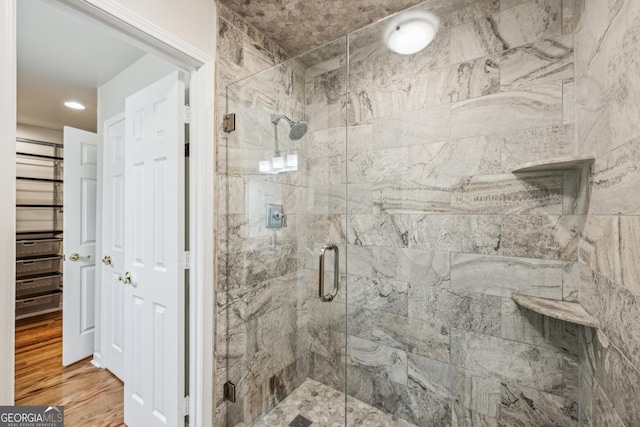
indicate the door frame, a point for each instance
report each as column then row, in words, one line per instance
column 201, row 66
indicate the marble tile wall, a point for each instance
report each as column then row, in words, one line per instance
column 262, row 342
column 439, row 232
column 607, row 94
column 410, row 172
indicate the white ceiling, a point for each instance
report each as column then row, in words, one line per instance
column 61, row 58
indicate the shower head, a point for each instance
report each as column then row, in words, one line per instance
column 298, row 129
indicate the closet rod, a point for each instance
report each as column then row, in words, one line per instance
column 35, row 141
column 39, row 156
column 28, row 205
column 28, row 178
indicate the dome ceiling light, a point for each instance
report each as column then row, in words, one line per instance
column 411, row 32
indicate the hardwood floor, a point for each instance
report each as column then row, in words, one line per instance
column 91, row 397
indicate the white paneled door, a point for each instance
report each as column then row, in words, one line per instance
column 112, row 263
column 154, row 243
column 78, row 296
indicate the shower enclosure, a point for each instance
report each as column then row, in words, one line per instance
column 371, row 232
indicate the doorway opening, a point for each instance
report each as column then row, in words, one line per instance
column 201, row 68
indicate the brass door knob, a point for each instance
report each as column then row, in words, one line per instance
column 126, row 279
column 76, row 257
column 106, row 260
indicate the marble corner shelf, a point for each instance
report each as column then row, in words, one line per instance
column 560, row 163
column 564, row 310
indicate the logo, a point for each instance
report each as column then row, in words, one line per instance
column 31, row 416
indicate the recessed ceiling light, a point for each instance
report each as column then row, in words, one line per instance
column 411, row 32
column 74, row 105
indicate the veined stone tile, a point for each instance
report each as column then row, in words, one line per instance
column 412, row 128
column 508, row 194
column 457, row 14
column 461, row 310
column 630, row 252
column 326, row 228
column 326, row 315
column 327, row 87
column 531, row 107
column 380, row 85
column 377, row 358
column 360, row 138
column 470, row 390
column 546, row 237
column 539, row 62
column 599, row 245
column 414, row 266
column 524, row 406
column 261, row 366
column 411, row 403
column 476, row 39
column 327, row 371
column 502, row 276
column 617, row 309
column 571, row 282
column 249, row 268
column 469, row 156
column 604, row 413
column 525, row 364
column 360, row 321
column 260, row 332
column 614, row 182
column 377, row 165
column 621, row 82
column 327, row 142
column 472, row 79
column 531, row 21
column 507, row 4
column 405, row 197
column 618, row 379
column 327, row 171
column 359, row 384
column 377, row 230
column 522, row 325
column 458, row 233
column 247, row 302
column 567, row 16
column 331, row 199
column 382, row 295
column 325, row 342
column 231, row 195
column 536, row 144
column 462, row 417
column 411, row 335
column 230, row 43
column 569, row 101
column 359, row 260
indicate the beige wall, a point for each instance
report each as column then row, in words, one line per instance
column 193, row 21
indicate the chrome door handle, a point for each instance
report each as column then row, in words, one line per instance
column 325, row 297
column 106, row 260
column 76, row 257
column 126, row 279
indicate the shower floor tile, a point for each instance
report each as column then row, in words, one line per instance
column 324, row 406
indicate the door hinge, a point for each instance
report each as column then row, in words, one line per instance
column 185, row 260
column 187, row 114
column 229, row 123
column 229, row 391
column 184, row 406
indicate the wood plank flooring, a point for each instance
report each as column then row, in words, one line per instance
column 91, row 397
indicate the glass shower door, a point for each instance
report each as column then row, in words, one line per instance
column 282, row 182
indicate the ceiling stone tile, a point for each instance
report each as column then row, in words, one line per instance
column 298, row 26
